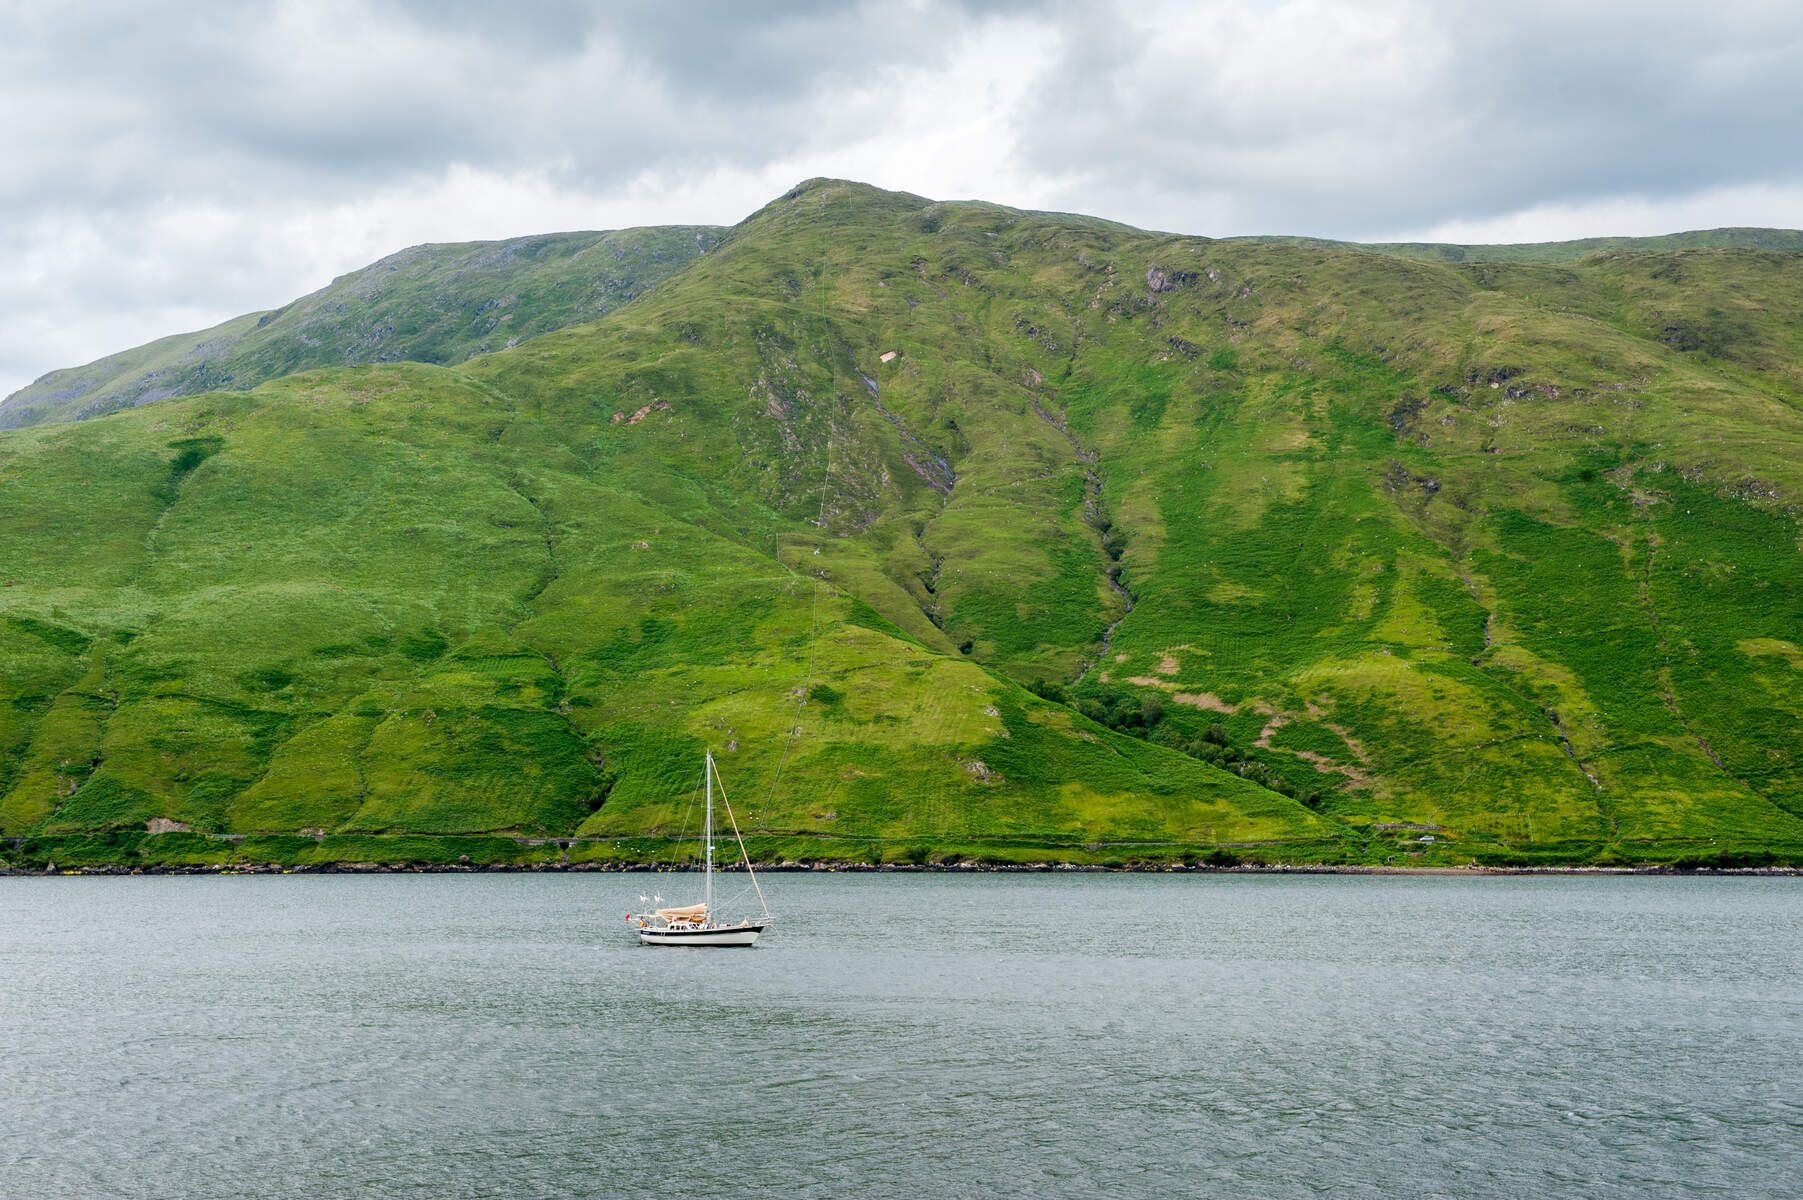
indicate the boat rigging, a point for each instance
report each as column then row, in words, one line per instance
column 700, row 924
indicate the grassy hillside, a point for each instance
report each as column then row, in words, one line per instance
column 433, row 303
column 1135, row 546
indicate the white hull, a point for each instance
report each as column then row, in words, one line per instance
column 732, row 935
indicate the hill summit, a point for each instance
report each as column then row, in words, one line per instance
column 956, row 531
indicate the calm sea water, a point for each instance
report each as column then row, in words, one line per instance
column 502, row 1035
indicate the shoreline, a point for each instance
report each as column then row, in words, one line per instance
column 853, row 867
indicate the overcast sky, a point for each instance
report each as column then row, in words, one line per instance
column 170, row 165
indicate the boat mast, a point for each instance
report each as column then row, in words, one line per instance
column 743, row 853
column 707, row 840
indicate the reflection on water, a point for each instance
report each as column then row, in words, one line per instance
column 505, row 1035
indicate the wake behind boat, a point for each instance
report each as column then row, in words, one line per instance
column 700, row 924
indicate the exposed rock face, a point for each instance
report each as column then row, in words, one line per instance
column 1158, row 279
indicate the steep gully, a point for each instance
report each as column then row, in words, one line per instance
column 938, row 474
column 935, row 470
column 1097, row 520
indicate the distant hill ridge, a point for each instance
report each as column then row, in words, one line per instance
column 1789, row 241
column 436, row 303
column 444, row 302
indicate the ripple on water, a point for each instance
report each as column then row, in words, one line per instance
column 1017, row 1036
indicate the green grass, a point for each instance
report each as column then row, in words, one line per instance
column 1505, row 549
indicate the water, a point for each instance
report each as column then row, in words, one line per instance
column 1240, row 1036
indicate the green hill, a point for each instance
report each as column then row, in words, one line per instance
column 1309, row 555
column 443, row 303
column 434, row 303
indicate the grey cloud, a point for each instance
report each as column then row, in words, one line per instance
column 222, row 100
column 1481, row 110
column 1486, row 111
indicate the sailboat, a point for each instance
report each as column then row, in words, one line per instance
column 699, row 924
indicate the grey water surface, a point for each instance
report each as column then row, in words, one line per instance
column 901, row 1035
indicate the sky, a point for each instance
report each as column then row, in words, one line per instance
column 167, row 166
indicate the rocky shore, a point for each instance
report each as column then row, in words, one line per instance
column 366, row 868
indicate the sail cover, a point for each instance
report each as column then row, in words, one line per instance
column 694, row 912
